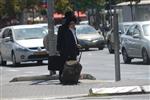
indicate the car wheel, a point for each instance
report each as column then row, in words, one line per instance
column 14, row 60
column 126, row 59
column 146, row 59
column 3, row 63
column 110, row 49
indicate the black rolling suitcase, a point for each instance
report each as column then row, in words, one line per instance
column 71, row 72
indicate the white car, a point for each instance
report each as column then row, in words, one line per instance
column 136, row 42
column 22, row 43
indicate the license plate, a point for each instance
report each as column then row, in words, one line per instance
column 41, row 53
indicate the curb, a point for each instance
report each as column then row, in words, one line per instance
column 119, row 90
column 48, row 77
column 98, row 92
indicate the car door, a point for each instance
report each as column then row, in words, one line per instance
column 136, row 41
column 7, row 44
column 128, row 40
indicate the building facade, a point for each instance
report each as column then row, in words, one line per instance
column 131, row 11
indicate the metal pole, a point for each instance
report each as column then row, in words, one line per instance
column 117, row 43
column 51, row 37
column 131, row 6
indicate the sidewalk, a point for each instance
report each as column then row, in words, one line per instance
column 51, row 89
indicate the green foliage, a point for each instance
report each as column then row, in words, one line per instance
column 86, row 4
column 11, row 8
column 1, row 7
column 63, row 6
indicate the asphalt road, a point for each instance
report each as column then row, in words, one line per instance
column 98, row 63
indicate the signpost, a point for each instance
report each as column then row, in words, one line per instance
column 117, row 47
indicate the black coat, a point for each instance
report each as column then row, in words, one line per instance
column 66, row 44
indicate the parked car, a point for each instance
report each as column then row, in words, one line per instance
column 122, row 28
column 89, row 37
column 22, row 43
column 136, row 42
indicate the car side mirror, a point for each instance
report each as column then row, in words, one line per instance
column 136, row 36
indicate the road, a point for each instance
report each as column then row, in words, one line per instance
column 100, row 64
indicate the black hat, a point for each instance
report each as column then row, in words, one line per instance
column 69, row 16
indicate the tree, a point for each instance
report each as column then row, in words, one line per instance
column 63, row 6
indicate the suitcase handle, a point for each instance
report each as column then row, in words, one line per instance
column 80, row 56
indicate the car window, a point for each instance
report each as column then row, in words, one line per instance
column 7, row 33
column 146, row 29
column 126, row 27
column 55, row 29
column 123, row 28
column 130, row 30
column 136, row 30
column 29, row 33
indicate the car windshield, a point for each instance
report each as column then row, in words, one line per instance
column 29, row 33
column 146, row 29
column 55, row 29
column 85, row 30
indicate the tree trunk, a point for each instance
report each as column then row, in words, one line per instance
column 51, row 36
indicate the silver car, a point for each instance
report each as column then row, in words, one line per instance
column 123, row 26
column 136, row 42
column 22, row 43
column 89, row 37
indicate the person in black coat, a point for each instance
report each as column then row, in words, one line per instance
column 67, row 43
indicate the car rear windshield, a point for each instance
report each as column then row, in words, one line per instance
column 146, row 29
column 29, row 33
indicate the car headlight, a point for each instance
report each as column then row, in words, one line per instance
column 95, row 40
column 22, row 49
column 89, row 39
